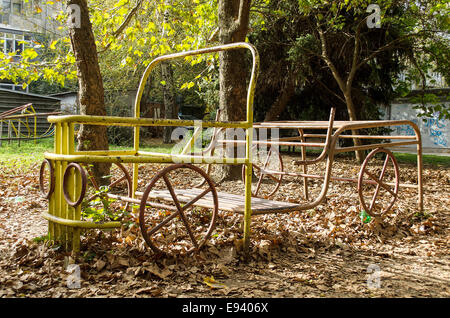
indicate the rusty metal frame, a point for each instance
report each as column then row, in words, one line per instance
column 51, row 185
column 65, row 219
column 25, row 112
column 330, row 149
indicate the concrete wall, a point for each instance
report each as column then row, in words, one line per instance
column 30, row 20
column 69, row 104
column 435, row 132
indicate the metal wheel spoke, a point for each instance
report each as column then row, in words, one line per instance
column 258, row 185
column 388, row 189
column 92, row 179
column 267, row 160
column 256, row 167
column 163, row 222
column 92, row 197
column 271, row 176
column 198, row 197
column 384, row 168
column 172, row 193
column 180, row 210
column 379, row 183
column 261, row 176
column 372, row 204
column 117, row 181
column 372, row 176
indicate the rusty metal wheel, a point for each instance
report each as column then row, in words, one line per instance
column 119, row 184
column 177, row 225
column 67, row 196
column 268, row 168
column 51, row 178
column 378, row 186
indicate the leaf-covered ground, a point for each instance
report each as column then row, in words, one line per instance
column 322, row 252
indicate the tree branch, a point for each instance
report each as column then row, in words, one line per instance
column 354, row 67
column 128, row 18
column 243, row 18
column 244, row 6
column 124, row 24
column 386, row 47
column 329, row 90
column 422, row 76
column 213, row 36
column 327, row 59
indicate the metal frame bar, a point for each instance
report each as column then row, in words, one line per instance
column 340, row 127
column 65, row 221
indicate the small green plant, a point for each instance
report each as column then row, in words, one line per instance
column 42, row 239
column 89, row 256
column 99, row 209
column 420, row 216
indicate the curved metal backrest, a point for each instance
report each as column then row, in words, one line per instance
column 226, row 47
column 328, row 141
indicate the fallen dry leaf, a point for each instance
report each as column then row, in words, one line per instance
column 211, row 282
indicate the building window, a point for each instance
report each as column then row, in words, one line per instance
column 17, row 7
column 10, row 42
column 5, row 10
column 33, row 7
column 6, row 5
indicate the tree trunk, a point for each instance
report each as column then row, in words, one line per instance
column 169, row 99
column 233, row 27
column 168, row 88
column 346, row 87
column 353, row 117
column 280, row 104
column 91, row 93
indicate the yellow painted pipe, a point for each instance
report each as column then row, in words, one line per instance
column 134, row 122
column 159, row 158
column 80, row 224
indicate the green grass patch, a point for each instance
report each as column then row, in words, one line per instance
column 434, row 160
column 38, row 146
column 15, row 157
column 30, row 152
column 405, row 158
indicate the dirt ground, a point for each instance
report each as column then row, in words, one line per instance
column 322, row 252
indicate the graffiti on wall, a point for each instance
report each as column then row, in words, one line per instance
column 407, row 130
column 435, row 132
column 435, row 128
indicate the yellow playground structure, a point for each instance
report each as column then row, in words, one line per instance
column 64, row 176
column 21, row 123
